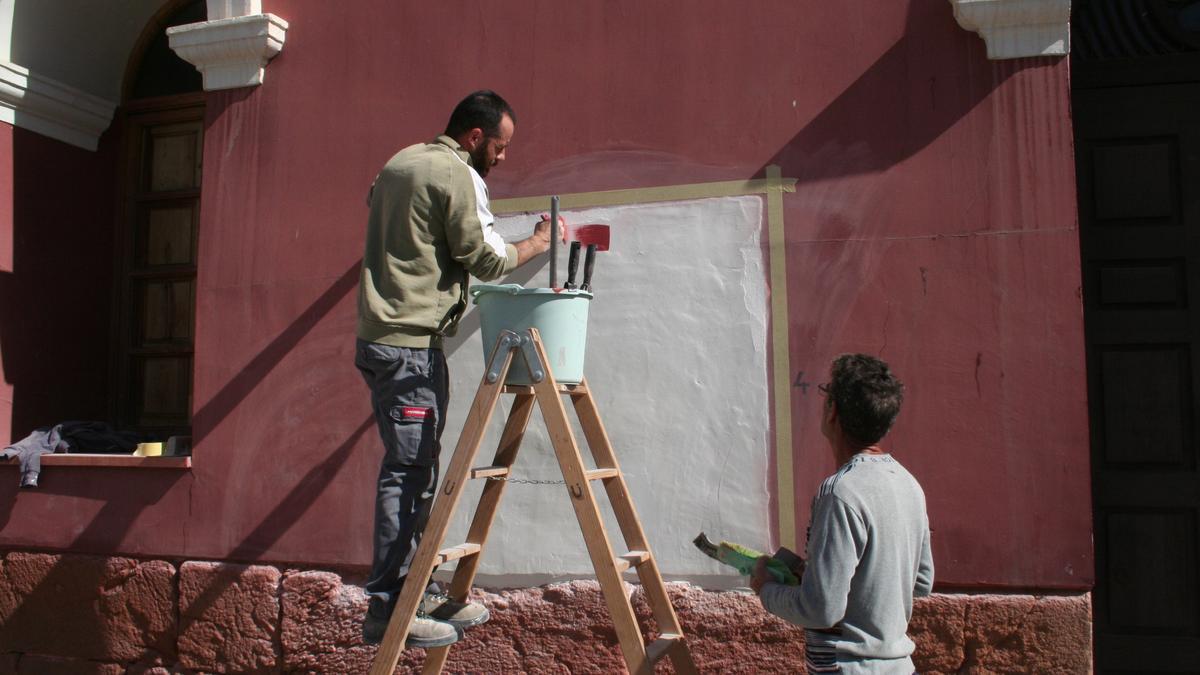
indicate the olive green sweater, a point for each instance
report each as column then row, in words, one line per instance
column 429, row 227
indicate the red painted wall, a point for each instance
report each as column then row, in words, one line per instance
column 933, row 223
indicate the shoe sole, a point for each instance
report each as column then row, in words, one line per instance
column 419, row 643
column 482, row 618
column 430, row 644
column 413, row 643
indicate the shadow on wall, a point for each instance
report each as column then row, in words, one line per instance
column 55, row 304
column 122, row 507
column 912, row 94
column 209, row 415
column 279, row 520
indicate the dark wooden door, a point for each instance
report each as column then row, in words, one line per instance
column 1138, row 163
column 157, row 312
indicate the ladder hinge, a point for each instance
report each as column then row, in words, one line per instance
column 507, row 341
column 531, row 358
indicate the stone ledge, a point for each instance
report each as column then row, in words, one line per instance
column 228, row 617
column 87, row 607
column 62, row 612
column 109, row 460
column 1018, row 28
column 231, row 52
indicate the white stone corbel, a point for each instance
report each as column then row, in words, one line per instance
column 233, row 47
column 52, row 108
column 1016, row 28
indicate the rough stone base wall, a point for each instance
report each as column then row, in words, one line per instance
column 73, row 614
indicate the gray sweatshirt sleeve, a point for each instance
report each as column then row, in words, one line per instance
column 924, row 585
column 835, row 544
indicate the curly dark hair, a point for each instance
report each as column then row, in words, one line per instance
column 867, row 396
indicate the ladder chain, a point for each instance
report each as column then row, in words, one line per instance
column 528, row 481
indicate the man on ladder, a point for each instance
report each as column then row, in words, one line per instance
column 429, row 227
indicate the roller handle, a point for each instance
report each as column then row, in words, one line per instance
column 588, row 262
column 572, row 265
column 554, row 241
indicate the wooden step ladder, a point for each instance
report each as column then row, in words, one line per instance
column 546, row 393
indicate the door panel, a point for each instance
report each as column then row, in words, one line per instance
column 1138, row 168
column 158, row 302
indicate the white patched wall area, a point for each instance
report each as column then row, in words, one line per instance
column 677, row 362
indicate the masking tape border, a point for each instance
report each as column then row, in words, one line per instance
column 781, row 362
column 773, row 186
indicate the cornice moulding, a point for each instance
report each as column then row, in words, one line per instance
column 1018, row 28
column 231, row 52
column 52, row 108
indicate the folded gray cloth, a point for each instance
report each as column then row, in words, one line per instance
column 29, row 451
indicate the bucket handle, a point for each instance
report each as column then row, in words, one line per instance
column 479, row 289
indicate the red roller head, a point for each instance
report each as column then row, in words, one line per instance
column 591, row 234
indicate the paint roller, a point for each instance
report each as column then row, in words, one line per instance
column 785, row 567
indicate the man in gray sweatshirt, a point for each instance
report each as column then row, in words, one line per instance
column 868, row 548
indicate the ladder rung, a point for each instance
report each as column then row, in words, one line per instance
column 573, row 389
column 630, row 559
column 659, row 648
column 455, row 552
column 597, row 474
column 489, row 471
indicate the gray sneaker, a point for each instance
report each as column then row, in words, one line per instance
column 458, row 614
column 425, row 633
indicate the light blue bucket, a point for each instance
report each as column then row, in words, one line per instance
column 559, row 315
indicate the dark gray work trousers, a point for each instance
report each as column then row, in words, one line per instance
column 410, row 389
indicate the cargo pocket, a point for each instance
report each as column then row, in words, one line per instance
column 415, row 430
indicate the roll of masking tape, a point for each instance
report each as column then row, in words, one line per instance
column 148, row 450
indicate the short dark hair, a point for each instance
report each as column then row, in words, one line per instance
column 867, row 396
column 483, row 109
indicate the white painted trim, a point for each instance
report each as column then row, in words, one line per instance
column 224, row 9
column 1018, row 28
column 6, row 29
column 230, row 52
column 52, row 108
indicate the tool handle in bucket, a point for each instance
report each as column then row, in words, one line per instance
column 589, row 262
column 572, row 265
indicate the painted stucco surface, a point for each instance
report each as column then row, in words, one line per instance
column 688, row 420
column 933, row 223
column 56, row 282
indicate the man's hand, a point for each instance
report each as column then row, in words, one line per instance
column 760, row 576
column 542, row 229
column 539, row 242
